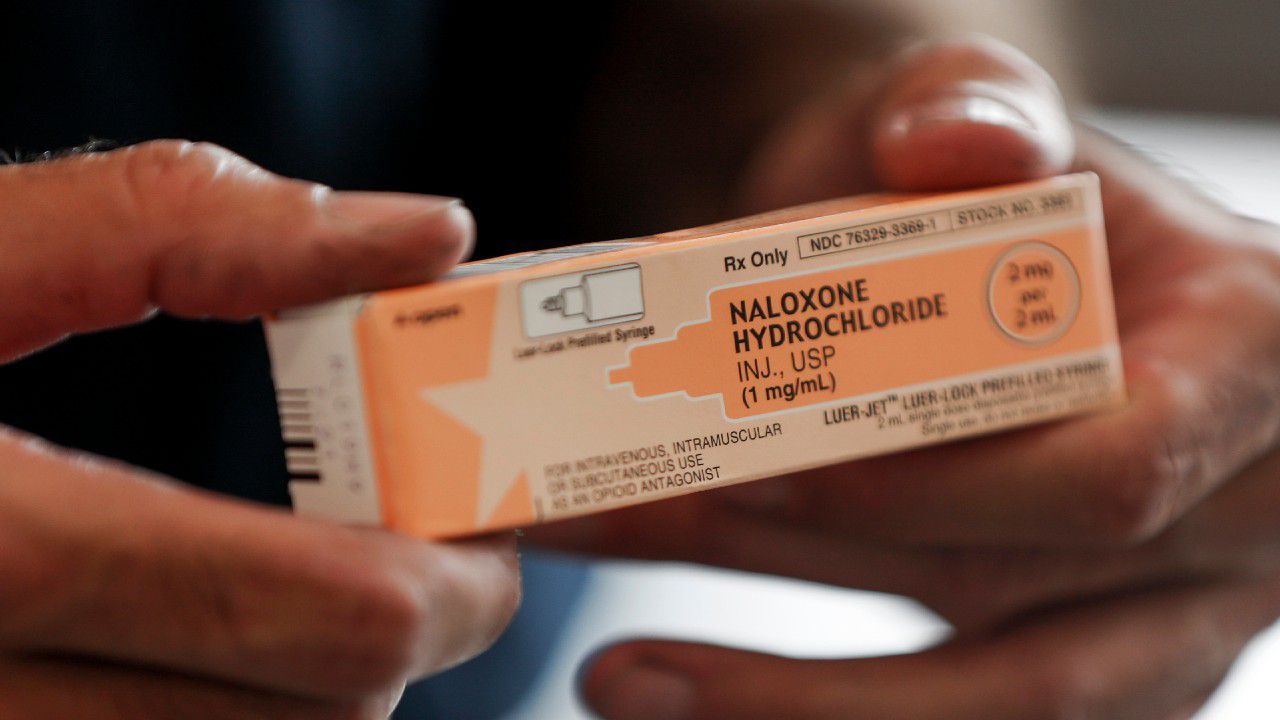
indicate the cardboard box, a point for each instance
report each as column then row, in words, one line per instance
column 556, row 383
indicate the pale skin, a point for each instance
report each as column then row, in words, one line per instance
column 1108, row 566
column 124, row 595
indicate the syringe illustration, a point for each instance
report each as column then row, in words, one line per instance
column 609, row 295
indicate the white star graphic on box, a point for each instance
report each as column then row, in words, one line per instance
column 502, row 440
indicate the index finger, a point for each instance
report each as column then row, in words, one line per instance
column 98, row 240
column 1147, row 655
column 938, row 116
column 968, row 113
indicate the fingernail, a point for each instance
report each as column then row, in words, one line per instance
column 645, row 692
column 385, row 208
column 976, row 109
column 760, row 496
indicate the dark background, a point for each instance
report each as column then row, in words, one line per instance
column 484, row 101
column 397, row 94
column 1197, row 55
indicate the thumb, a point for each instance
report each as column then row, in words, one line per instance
column 937, row 116
column 968, row 113
column 93, row 241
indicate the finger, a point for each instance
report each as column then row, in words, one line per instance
column 1235, row 530
column 1115, row 478
column 51, row 689
column 103, row 239
column 98, row 560
column 1189, row 709
column 938, row 116
column 1118, row 477
column 973, row 589
column 1232, row 533
column 1139, row 658
column 968, row 113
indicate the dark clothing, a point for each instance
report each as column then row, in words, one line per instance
column 470, row 101
column 462, row 99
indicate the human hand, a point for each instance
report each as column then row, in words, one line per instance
column 1107, row 566
column 124, row 595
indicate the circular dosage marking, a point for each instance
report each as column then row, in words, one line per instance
column 1034, row 293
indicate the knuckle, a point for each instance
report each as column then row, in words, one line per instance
column 164, row 168
column 186, row 198
column 403, row 617
column 167, row 179
column 392, row 613
column 1211, row 283
column 31, row 583
column 422, row 612
column 1135, row 500
column 1140, row 504
column 153, row 189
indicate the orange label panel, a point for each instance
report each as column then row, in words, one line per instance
column 817, row 337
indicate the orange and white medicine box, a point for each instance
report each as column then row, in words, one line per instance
column 550, row 384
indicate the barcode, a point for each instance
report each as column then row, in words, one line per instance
column 537, row 257
column 297, row 426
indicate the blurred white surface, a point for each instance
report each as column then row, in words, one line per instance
column 1238, row 161
column 629, row 600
